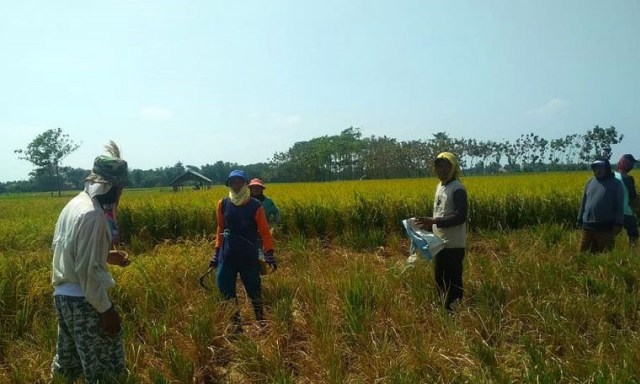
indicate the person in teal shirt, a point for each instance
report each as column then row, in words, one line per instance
column 256, row 186
column 624, row 166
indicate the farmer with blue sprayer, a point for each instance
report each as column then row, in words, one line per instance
column 241, row 221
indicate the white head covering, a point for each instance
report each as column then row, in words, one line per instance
column 94, row 189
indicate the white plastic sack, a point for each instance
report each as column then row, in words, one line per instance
column 423, row 242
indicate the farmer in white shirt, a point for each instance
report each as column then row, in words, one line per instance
column 89, row 339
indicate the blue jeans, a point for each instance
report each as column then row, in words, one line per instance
column 226, row 276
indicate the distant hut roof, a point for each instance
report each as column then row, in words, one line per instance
column 190, row 175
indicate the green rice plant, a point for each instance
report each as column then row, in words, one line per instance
column 365, row 239
column 338, row 311
column 257, row 365
column 181, row 367
column 280, row 297
column 361, row 295
column 416, row 282
column 486, row 354
column 491, row 297
column 325, row 210
column 398, row 374
column 282, row 377
column 301, row 258
column 542, row 367
column 325, row 337
column 158, row 378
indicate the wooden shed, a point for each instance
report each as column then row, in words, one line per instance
column 192, row 179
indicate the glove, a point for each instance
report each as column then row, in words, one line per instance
column 213, row 263
column 270, row 259
column 110, row 322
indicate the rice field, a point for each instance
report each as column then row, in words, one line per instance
column 344, row 306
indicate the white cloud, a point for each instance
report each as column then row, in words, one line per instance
column 155, row 113
column 550, row 108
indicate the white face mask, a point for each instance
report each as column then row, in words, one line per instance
column 94, row 189
column 240, row 197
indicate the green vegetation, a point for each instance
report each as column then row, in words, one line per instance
column 344, row 306
column 347, row 156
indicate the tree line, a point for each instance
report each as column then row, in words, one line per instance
column 346, row 156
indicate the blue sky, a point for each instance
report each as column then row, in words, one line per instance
column 202, row 81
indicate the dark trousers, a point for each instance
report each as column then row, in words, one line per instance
column 596, row 241
column 448, row 274
column 631, row 226
column 226, row 275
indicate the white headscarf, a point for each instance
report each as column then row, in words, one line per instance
column 94, row 189
column 241, row 197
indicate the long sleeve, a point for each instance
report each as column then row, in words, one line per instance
column 80, row 250
column 619, row 207
column 92, row 250
column 219, row 225
column 271, row 211
column 582, row 203
column 631, row 187
column 263, row 229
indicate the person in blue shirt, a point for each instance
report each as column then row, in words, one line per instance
column 601, row 210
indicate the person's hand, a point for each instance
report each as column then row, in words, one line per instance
column 425, row 223
column 616, row 229
column 213, row 263
column 120, row 258
column 110, row 322
column 270, row 259
column 579, row 224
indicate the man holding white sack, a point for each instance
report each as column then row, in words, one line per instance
column 424, row 243
column 449, row 223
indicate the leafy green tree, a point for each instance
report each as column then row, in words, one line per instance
column 597, row 142
column 170, row 173
column 219, row 171
column 417, row 164
column 73, row 178
column 46, row 152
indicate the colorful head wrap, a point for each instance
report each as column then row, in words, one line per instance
column 108, row 170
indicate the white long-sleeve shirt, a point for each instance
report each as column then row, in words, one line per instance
column 80, row 249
